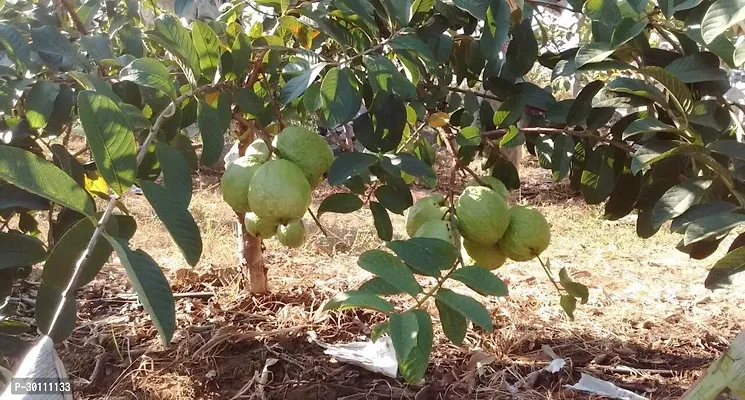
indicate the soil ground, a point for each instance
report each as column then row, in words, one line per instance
column 650, row 325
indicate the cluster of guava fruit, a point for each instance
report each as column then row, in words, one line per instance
column 490, row 231
column 274, row 189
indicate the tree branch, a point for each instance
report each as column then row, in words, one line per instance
column 79, row 25
column 371, row 49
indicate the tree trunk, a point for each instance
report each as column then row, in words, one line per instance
column 249, row 248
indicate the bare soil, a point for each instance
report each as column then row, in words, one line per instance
column 650, row 326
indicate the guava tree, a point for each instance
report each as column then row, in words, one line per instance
column 94, row 68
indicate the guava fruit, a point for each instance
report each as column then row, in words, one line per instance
column 235, row 183
column 488, row 256
column 436, row 229
column 258, row 150
column 292, row 235
column 279, row 192
column 482, row 214
column 527, row 236
column 307, row 149
column 259, row 227
column 492, row 183
column 425, row 209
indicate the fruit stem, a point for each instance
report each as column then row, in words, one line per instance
column 548, row 273
column 318, row 223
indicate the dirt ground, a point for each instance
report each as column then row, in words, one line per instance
column 650, row 325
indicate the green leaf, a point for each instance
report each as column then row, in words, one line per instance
column 40, row 103
column 582, row 105
column 176, row 173
column 340, row 203
column 678, row 90
column 415, row 366
column 171, row 34
column 378, row 330
column 678, row 200
column 151, row 286
column 150, row 73
column 379, row 286
column 413, row 44
column 16, row 46
column 513, row 138
column 603, row 11
column 96, row 84
column 382, row 220
column 574, row 289
column 720, row 16
column 384, row 76
column 453, row 324
column 403, row 329
column 349, row 165
column 176, row 218
column 494, row 35
column 508, row 113
column 13, row 327
column 425, row 255
column 569, row 305
column 477, row 8
column 598, row 177
column 396, row 199
column 711, row 226
column 467, row 308
column 626, row 30
column 296, row 86
column 720, row 276
column 357, row 299
column 402, row 11
column 54, row 49
column 48, row 299
column 523, row 49
column 60, row 266
column 390, row 268
column 130, row 38
column 340, row 99
column 39, row 176
column 481, row 281
column 98, row 47
column 208, row 48
column 698, row 67
column 647, row 125
column 413, row 166
column 561, row 157
column 110, row 139
column 738, row 58
column 637, row 87
column 213, row 121
column 380, row 129
column 469, row 137
column 699, row 211
column 729, row 148
column 623, row 198
column 592, row 53
column 20, row 250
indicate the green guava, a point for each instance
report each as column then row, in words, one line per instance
column 258, row 150
column 527, row 236
column 307, row 150
column 235, row 183
column 492, row 183
column 425, row 209
column 259, row 227
column 279, row 192
column 292, row 235
column 482, row 214
column 436, row 229
column 489, row 257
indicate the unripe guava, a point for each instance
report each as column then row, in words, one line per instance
column 292, row 235
column 436, row 229
column 527, row 236
column 258, row 150
column 492, row 183
column 488, row 256
column 279, row 192
column 482, row 214
column 425, row 209
column 259, row 227
column 307, row 150
column 235, row 183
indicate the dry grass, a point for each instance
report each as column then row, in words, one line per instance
column 648, row 310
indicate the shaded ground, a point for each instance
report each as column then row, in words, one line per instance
column 650, row 326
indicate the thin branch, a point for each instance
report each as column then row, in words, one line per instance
column 248, row 3
column 371, row 49
column 559, row 131
column 75, row 17
column 473, row 92
column 548, row 273
column 459, row 164
column 318, row 223
column 669, row 39
column 549, row 4
column 5, row 224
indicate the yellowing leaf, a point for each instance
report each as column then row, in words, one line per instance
column 439, row 120
column 210, row 98
column 97, row 185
